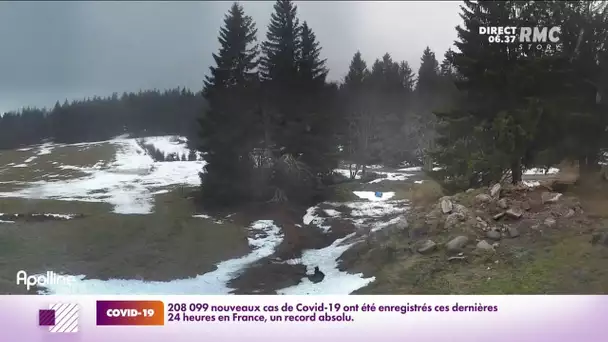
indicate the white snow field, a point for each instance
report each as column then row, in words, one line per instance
column 267, row 236
column 129, row 182
column 171, row 145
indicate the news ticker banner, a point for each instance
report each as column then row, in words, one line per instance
column 302, row 318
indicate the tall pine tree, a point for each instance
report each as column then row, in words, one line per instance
column 427, row 93
column 489, row 132
column 295, row 105
column 359, row 137
column 227, row 137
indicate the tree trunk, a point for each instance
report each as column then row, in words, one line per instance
column 589, row 164
column 428, row 163
column 279, row 196
column 516, row 172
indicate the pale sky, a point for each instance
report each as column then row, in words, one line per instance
column 56, row 50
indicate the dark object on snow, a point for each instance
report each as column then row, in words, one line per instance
column 317, row 277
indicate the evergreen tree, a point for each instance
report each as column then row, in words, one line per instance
column 279, row 73
column 358, row 140
column 227, row 136
column 282, row 46
column 315, row 137
column 468, row 145
column 296, row 104
column 406, row 74
column 357, row 73
column 427, row 100
column 428, row 73
column 311, row 67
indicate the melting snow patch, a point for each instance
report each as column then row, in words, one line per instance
column 268, row 237
column 208, row 218
column 30, row 159
column 311, row 218
column 125, row 183
column 2, row 221
column 21, row 165
column 411, row 169
column 332, row 212
column 60, row 216
column 371, row 196
column 419, row 181
column 335, row 282
column 391, row 176
column 25, row 149
column 531, row 184
column 376, row 209
column 538, row 171
column 171, row 145
column 45, row 149
column 346, row 173
column 376, row 226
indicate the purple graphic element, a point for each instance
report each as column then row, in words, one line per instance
column 46, row 317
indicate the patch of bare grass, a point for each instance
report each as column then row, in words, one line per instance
column 169, row 244
column 425, row 193
column 80, row 156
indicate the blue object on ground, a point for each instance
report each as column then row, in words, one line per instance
column 378, row 194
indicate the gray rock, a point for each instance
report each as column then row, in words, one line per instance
column 483, row 198
column 446, row 206
column 457, row 244
column 461, row 209
column 427, row 246
column 550, row 222
column 481, row 224
column 494, row 234
column 550, row 197
column 484, row 246
column 416, row 233
column 457, row 258
column 498, row 216
column 570, row 213
column 513, row 232
column 525, row 205
column 453, row 219
column 401, row 224
column 502, row 203
column 514, row 213
column 495, row 190
column 600, row 239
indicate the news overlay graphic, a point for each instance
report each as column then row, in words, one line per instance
column 360, row 318
column 59, row 318
column 535, row 38
column 137, row 312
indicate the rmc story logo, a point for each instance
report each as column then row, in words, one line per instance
column 533, row 38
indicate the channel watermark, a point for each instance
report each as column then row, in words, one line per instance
column 537, row 38
column 41, row 280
